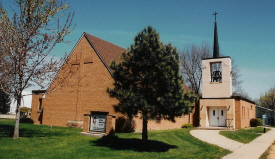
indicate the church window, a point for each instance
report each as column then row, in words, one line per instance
column 40, row 104
column 242, row 112
column 251, row 112
column 247, row 112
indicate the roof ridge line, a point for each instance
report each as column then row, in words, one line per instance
column 98, row 54
column 104, row 40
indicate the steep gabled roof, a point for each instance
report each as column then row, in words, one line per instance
column 105, row 49
column 109, row 51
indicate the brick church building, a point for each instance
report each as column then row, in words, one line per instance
column 77, row 97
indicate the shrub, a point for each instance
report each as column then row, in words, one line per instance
column 256, row 122
column 25, row 111
column 125, row 125
column 26, row 120
column 253, row 122
column 260, row 122
column 188, row 126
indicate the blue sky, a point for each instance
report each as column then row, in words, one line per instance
column 246, row 29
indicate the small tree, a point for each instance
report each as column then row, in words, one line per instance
column 4, row 102
column 268, row 99
column 26, row 40
column 148, row 81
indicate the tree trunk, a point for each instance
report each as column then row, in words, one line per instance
column 16, row 125
column 144, row 128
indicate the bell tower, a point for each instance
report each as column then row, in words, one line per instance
column 216, row 72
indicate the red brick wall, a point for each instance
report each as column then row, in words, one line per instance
column 244, row 112
column 85, row 91
column 86, row 123
column 164, row 124
column 110, row 127
column 36, row 115
column 247, row 110
column 238, row 114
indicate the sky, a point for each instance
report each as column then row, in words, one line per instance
column 246, row 29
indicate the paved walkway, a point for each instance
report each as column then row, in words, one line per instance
column 252, row 150
column 7, row 116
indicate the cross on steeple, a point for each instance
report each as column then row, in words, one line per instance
column 215, row 15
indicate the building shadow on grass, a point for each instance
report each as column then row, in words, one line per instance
column 8, row 130
column 133, row 144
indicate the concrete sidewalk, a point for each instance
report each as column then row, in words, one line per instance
column 213, row 137
column 7, row 116
column 252, row 150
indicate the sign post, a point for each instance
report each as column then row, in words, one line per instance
column 263, row 117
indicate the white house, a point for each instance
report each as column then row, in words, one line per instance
column 25, row 102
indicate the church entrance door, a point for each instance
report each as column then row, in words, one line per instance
column 217, row 116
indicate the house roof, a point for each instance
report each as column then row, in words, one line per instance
column 105, row 49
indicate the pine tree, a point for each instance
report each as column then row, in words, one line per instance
column 148, row 81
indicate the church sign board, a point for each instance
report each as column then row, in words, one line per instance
column 98, row 123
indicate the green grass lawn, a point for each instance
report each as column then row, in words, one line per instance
column 38, row 141
column 244, row 135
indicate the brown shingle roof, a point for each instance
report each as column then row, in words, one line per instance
column 186, row 88
column 105, row 49
column 109, row 51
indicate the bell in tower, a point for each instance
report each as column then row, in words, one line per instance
column 216, row 72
